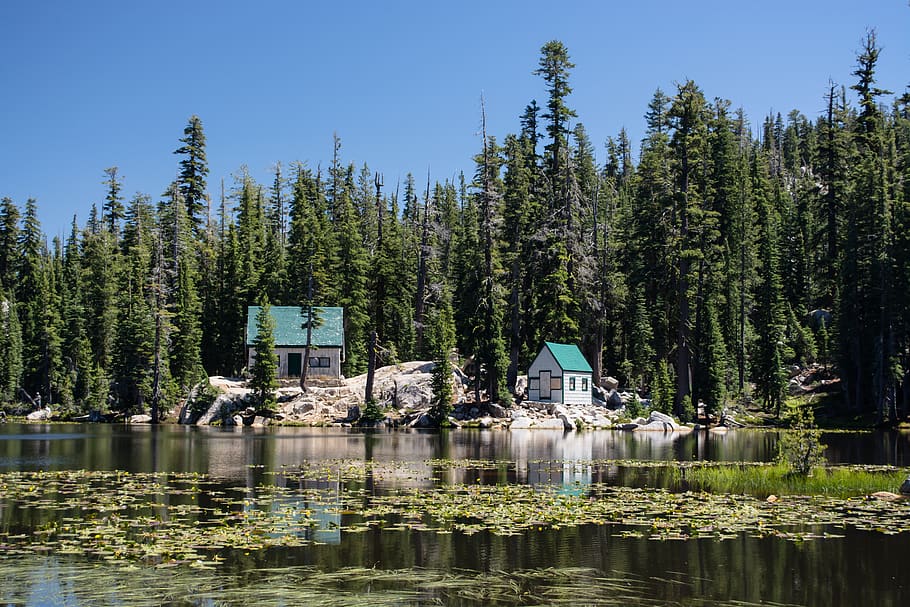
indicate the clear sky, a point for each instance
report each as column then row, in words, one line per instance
column 87, row 85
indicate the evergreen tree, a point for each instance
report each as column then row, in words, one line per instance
column 9, row 244
column 75, row 342
column 554, row 67
column 10, row 350
column 193, row 171
column 768, row 317
column 112, row 209
column 352, row 275
column 687, row 115
column 136, row 323
column 263, row 374
column 443, row 330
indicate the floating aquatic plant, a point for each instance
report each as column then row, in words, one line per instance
column 186, row 518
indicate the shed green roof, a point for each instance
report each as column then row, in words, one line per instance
column 569, row 357
column 290, row 326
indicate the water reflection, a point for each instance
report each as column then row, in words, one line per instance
column 249, row 462
column 241, row 453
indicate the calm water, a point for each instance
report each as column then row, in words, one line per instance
column 583, row 565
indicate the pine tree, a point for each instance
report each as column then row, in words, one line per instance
column 352, row 274
column 443, row 330
column 687, row 115
column 99, row 266
column 32, row 296
column 10, row 349
column 112, row 209
column 767, row 359
column 193, row 171
column 9, row 243
column 554, row 68
column 263, row 374
column 136, row 322
column 75, row 341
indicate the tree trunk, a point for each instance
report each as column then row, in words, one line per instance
column 371, row 368
column 514, row 327
column 309, row 333
column 420, row 297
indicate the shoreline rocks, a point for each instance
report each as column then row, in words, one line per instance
column 404, row 391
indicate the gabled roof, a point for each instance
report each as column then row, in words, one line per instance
column 290, row 326
column 569, row 357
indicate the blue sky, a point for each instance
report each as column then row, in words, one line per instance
column 88, row 85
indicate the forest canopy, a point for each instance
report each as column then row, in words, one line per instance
column 701, row 271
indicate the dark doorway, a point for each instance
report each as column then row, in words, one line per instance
column 295, row 364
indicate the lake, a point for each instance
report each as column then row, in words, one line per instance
column 102, row 514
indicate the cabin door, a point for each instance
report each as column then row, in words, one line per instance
column 545, row 385
column 295, row 364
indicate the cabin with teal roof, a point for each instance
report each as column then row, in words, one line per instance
column 326, row 343
column 560, row 374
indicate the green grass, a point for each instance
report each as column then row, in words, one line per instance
column 765, row 480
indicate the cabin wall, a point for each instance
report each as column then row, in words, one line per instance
column 545, row 362
column 577, row 388
column 329, row 356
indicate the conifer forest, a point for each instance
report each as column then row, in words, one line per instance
column 698, row 264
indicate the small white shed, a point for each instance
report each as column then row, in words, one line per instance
column 560, row 374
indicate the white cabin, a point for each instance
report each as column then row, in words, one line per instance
column 560, row 374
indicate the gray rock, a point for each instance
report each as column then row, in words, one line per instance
column 610, row 383
column 794, row 388
column 630, row 426
column 521, row 385
column 614, row 400
column 140, row 419
column 422, row 421
column 657, row 416
column 563, row 415
column 303, row 407
column 905, row 487
column 497, row 411
column 260, row 421
column 40, row 415
column 415, row 392
column 521, row 423
column 223, row 406
column 485, row 422
column 601, row 422
column 353, row 413
column 551, row 424
column 656, row 426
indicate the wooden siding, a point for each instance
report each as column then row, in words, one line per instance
column 333, row 354
column 560, row 381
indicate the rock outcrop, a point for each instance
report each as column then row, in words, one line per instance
column 405, row 392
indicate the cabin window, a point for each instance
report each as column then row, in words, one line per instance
column 319, row 362
column 584, row 383
column 572, row 383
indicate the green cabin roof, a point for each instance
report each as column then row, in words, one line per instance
column 290, row 326
column 569, row 357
